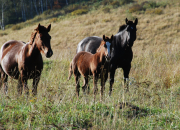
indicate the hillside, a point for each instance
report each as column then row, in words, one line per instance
column 153, row 100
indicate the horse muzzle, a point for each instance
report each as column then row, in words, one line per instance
column 49, row 54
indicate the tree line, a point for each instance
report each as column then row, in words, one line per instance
column 15, row 11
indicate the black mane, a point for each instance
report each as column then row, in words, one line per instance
column 122, row 27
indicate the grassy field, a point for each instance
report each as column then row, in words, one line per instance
column 153, row 101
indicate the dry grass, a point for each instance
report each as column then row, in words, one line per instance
column 154, row 77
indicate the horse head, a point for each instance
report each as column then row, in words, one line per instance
column 108, row 46
column 42, row 40
column 131, row 29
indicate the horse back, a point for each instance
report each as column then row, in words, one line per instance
column 89, row 44
column 10, row 46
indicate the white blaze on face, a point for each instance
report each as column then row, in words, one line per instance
column 108, row 44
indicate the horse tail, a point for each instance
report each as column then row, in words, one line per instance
column 70, row 71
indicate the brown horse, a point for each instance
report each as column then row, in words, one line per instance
column 24, row 61
column 85, row 63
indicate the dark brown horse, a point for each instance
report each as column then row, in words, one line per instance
column 121, row 55
column 85, row 63
column 24, row 61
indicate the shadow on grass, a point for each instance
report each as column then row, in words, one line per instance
column 132, row 111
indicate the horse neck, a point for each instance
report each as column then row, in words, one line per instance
column 120, row 40
column 100, row 54
column 34, row 48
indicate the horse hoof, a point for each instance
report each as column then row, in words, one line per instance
column 109, row 93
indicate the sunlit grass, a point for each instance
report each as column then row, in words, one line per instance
column 153, row 99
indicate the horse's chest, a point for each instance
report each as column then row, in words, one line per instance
column 31, row 66
column 96, row 68
column 122, row 57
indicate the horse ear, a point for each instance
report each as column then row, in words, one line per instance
column 126, row 20
column 112, row 37
column 37, row 29
column 49, row 27
column 136, row 21
column 103, row 37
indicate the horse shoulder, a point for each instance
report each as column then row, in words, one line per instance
column 94, row 63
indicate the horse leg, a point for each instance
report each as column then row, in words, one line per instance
column 95, row 79
column 104, row 75
column 126, row 71
column 4, row 78
column 24, row 82
column 26, row 89
column 112, row 73
column 85, row 84
column 20, row 86
column 88, row 89
column 35, row 83
column 1, row 71
column 77, row 84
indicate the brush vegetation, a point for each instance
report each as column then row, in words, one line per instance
column 153, row 100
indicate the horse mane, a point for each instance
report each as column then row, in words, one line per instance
column 122, row 27
column 102, row 43
column 130, row 22
column 41, row 29
column 33, row 35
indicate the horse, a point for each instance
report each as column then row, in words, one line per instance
column 121, row 55
column 23, row 61
column 86, row 63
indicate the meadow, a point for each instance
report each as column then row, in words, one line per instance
column 153, row 100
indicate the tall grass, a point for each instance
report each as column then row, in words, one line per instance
column 154, row 93
column 151, row 102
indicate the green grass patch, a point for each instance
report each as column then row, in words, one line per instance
column 17, row 27
column 3, row 34
column 79, row 12
column 53, row 20
column 106, row 10
column 157, row 11
column 135, row 8
column 115, row 4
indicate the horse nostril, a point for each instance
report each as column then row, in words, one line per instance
column 49, row 54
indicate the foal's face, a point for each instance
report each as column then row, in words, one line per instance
column 131, row 29
column 43, row 40
column 108, row 47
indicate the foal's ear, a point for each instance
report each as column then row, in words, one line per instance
column 37, row 29
column 126, row 20
column 103, row 37
column 49, row 27
column 136, row 21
